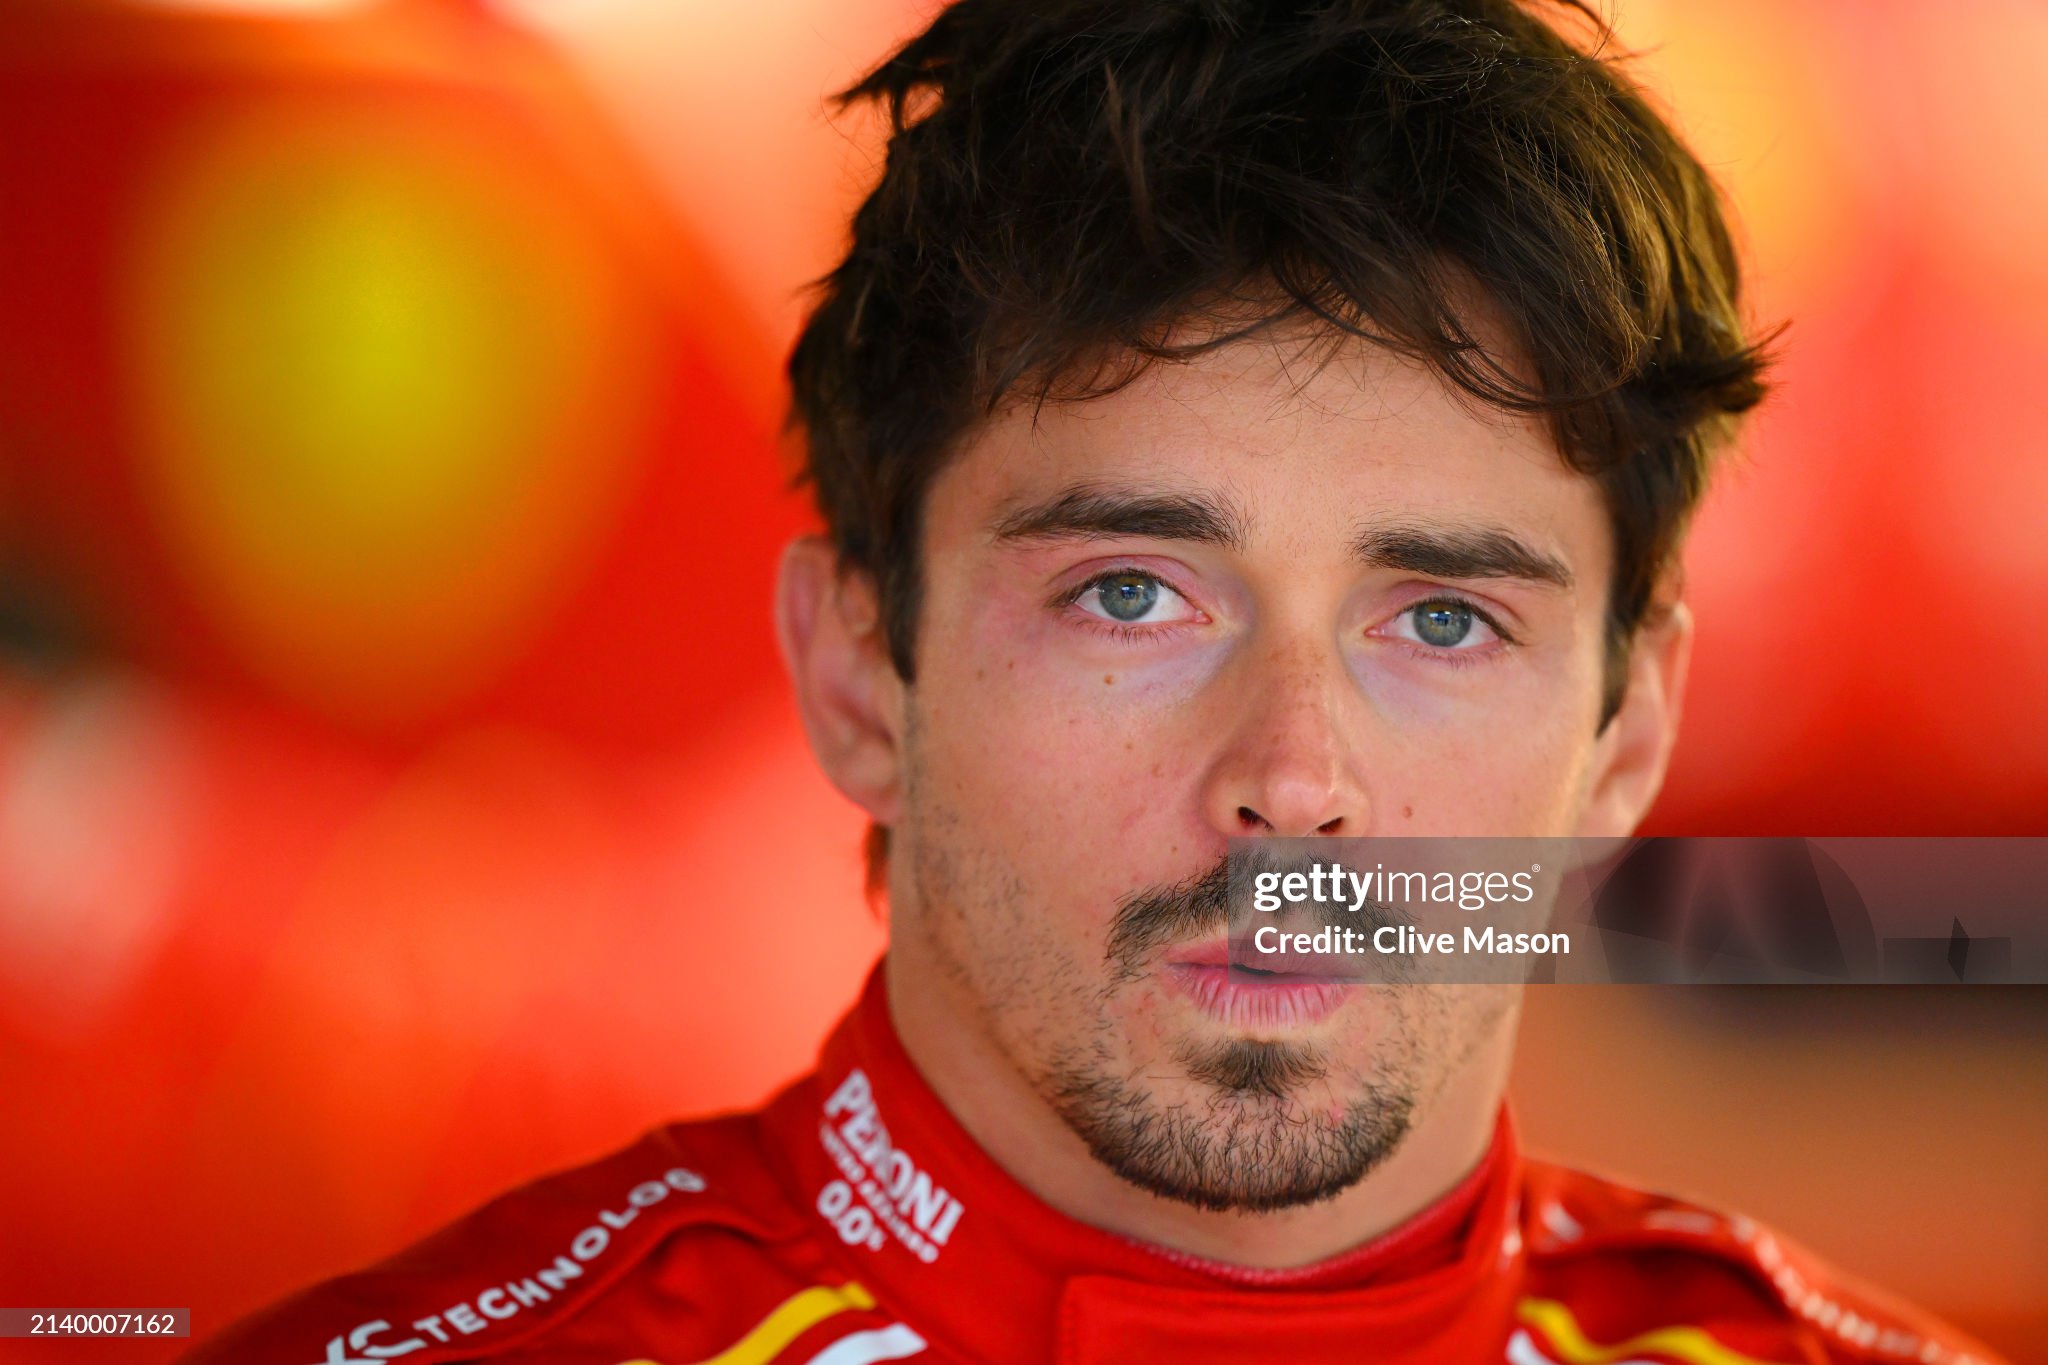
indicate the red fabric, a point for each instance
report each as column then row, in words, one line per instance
column 853, row 1220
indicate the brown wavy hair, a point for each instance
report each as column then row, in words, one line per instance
column 1077, row 189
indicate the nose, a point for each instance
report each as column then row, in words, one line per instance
column 1288, row 768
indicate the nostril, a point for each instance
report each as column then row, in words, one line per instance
column 1250, row 818
column 1330, row 826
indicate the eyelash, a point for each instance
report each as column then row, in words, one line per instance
column 1118, row 630
column 1457, row 657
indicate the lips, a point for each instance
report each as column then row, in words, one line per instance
column 1257, row 1001
column 1235, row 984
column 1254, row 966
column 1213, row 952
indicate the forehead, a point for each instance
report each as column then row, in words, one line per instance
column 1300, row 442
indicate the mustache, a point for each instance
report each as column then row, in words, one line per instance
column 1146, row 921
column 1207, row 904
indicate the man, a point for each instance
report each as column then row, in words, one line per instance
column 1230, row 419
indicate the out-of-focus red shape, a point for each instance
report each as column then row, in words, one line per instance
column 1864, row 569
column 389, row 495
column 397, row 795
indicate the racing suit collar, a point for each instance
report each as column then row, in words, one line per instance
column 928, row 1223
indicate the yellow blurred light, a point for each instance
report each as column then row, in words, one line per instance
column 386, row 376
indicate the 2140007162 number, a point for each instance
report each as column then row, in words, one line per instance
column 95, row 1322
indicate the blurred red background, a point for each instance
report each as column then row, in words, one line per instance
column 389, row 723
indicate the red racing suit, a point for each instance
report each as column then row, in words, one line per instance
column 852, row 1220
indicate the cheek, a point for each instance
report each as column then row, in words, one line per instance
column 1062, row 765
column 1505, row 757
column 1073, row 757
column 1052, row 703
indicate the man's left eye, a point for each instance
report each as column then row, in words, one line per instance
column 1129, row 598
column 1444, row 623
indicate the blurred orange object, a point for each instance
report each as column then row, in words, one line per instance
column 343, row 361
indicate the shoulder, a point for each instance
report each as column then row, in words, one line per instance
column 689, row 1212
column 1616, row 1272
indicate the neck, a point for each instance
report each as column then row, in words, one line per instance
column 945, row 1036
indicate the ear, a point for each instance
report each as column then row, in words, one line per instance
column 1635, row 748
column 828, row 624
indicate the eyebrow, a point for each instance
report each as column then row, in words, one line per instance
column 1459, row 552
column 1091, row 512
column 1085, row 512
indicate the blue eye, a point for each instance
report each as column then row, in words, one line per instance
column 1134, row 598
column 1127, row 596
column 1444, row 625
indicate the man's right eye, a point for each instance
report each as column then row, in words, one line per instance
column 1130, row 598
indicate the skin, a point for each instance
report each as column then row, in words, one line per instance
column 1050, row 762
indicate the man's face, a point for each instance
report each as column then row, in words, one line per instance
column 1242, row 596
